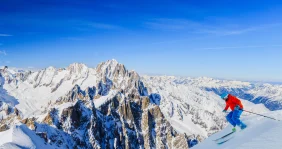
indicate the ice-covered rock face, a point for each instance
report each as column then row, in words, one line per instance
column 111, row 69
column 120, row 122
column 8, row 115
column 39, row 87
column 120, row 77
column 77, row 68
column 13, row 75
column 124, row 116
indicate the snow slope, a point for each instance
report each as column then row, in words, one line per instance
column 189, row 108
column 20, row 136
column 268, row 94
column 261, row 133
column 47, row 85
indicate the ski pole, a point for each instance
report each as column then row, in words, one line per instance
column 261, row 115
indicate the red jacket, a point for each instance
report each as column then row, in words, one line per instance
column 232, row 102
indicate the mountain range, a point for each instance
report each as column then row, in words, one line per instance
column 112, row 107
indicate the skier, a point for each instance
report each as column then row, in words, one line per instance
column 237, row 108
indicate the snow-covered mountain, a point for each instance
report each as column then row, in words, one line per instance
column 111, row 107
column 190, row 104
column 80, row 107
column 268, row 94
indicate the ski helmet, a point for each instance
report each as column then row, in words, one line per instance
column 224, row 96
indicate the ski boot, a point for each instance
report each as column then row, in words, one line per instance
column 243, row 126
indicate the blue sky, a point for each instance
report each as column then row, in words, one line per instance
column 224, row 39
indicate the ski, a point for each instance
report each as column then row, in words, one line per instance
column 219, row 143
column 224, row 136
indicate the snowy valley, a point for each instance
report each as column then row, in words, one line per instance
column 112, row 107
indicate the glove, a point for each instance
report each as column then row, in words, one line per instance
column 237, row 107
column 224, row 111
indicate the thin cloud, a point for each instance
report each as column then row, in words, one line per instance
column 171, row 24
column 103, row 26
column 202, row 28
column 3, row 52
column 225, row 32
column 5, row 35
column 238, row 47
column 90, row 26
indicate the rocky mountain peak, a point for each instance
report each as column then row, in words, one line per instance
column 111, row 69
column 77, row 68
column 76, row 93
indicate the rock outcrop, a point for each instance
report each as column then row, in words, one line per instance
column 128, row 119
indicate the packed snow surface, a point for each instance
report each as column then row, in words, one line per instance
column 261, row 133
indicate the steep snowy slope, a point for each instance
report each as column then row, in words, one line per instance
column 34, row 90
column 19, row 137
column 267, row 94
column 188, row 106
column 191, row 109
column 261, row 133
